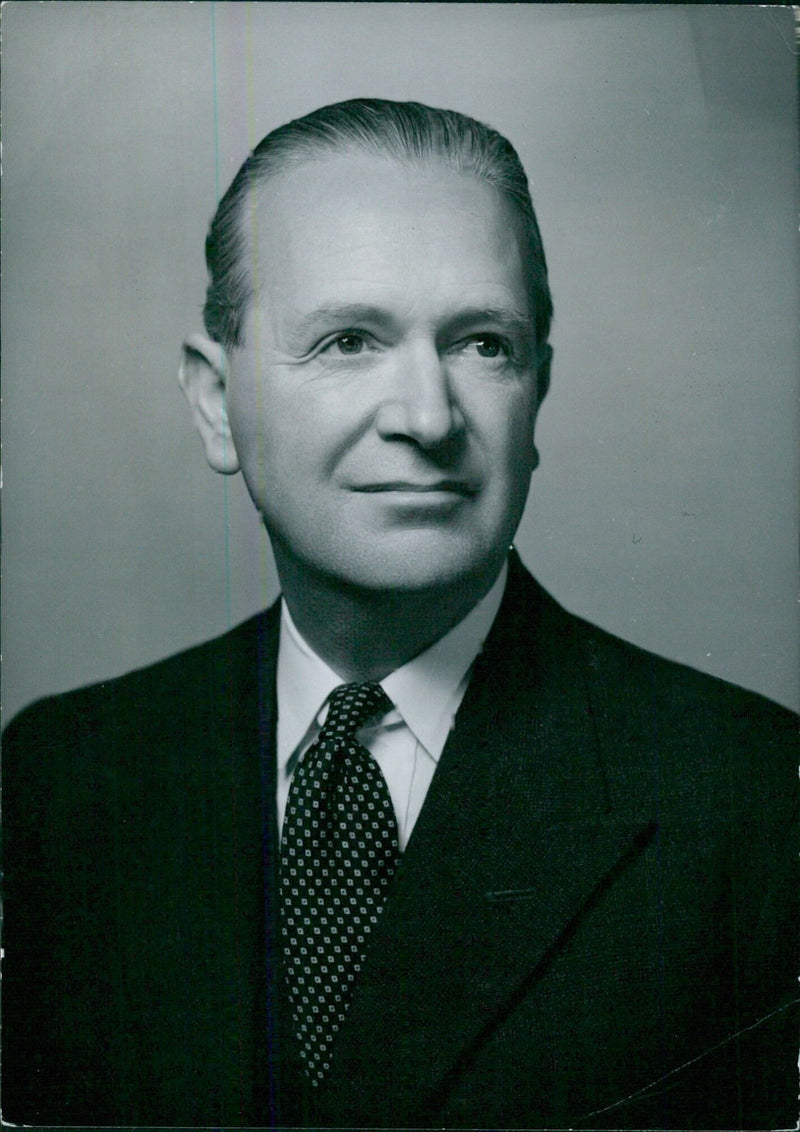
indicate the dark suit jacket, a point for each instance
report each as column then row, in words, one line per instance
column 593, row 924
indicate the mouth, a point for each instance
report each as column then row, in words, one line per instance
column 411, row 487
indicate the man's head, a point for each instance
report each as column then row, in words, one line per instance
column 377, row 320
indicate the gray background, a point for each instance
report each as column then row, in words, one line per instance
column 661, row 147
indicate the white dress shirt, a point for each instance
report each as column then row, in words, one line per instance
column 408, row 742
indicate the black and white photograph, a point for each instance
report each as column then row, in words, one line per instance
column 400, row 645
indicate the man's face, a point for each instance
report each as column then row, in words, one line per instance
column 383, row 405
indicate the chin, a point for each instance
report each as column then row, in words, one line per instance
column 422, row 561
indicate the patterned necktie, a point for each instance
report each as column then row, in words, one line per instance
column 339, row 852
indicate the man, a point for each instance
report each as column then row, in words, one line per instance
column 415, row 847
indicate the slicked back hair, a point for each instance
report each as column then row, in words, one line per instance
column 406, row 131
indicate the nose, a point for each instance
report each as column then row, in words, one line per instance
column 419, row 404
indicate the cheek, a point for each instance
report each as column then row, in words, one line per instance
column 510, row 433
column 522, row 441
column 260, row 429
column 242, row 408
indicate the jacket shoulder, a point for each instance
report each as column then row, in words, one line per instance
column 132, row 841
column 643, row 703
column 676, row 695
column 169, row 695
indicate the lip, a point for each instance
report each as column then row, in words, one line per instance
column 409, row 487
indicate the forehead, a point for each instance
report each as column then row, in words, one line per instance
column 354, row 220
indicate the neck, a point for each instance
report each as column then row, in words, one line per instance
column 366, row 634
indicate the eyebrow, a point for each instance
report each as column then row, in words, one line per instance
column 344, row 314
column 512, row 321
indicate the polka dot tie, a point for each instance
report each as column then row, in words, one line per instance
column 338, row 854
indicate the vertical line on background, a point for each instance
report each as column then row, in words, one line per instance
column 253, row 132
column 225, row 508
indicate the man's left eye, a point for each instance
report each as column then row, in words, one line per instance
column 489, row 345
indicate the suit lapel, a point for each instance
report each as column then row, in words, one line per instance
column 514, row 845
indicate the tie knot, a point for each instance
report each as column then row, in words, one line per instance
column 351, row 705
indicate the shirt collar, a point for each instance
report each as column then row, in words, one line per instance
column 426, row 691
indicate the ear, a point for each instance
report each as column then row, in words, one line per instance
column 543, row 361
column 203, row 376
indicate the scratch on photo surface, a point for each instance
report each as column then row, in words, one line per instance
column 693, row 1060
